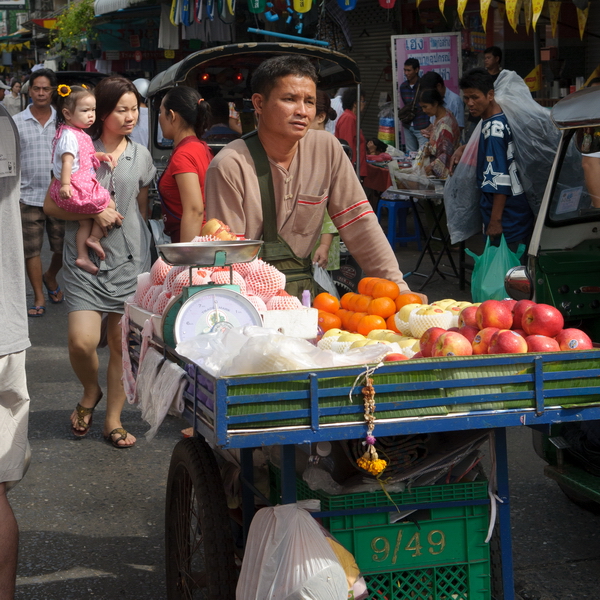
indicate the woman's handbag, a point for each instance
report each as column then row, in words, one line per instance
column 407, row 113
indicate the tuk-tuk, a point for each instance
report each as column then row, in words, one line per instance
column 563, row 269
column 226, row 71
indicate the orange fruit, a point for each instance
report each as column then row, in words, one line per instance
column 364, row 283
column 384, row 307
column 367, row 287
column 385, row 288
column 343, row 314
column 346, row 300
column 326, row 302
column 328, row 321
column 361, row 303
column 370, row 322
column 407, row 298
column 354, row 320
column 390, row 323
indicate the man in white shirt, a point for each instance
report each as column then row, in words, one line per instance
column 452, row 101
column 37, row 126
column 336, row 104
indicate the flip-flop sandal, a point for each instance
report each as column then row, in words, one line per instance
column 82, row 412
column 122, row 433
column 52, row 294
column 37, row 313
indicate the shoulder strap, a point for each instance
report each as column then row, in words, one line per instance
column 414, row 102
column 265, row 183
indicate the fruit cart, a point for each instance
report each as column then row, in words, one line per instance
column 436, row 559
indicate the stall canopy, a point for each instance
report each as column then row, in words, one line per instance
column 102, row 7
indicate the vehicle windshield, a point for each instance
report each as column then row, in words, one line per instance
column 576, row 194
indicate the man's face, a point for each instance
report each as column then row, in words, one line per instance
column 290, row 108
column 410, row 73
column 477, row 102
column 490, row 62
column 40, row 91
column 2, row 91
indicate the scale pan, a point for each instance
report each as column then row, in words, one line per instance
column 210, row 254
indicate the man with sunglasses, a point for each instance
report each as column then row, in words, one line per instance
column 37, row 126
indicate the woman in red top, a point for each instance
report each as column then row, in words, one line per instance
column 183, row 118
column 345, row 127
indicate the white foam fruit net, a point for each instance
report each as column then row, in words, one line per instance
column 283, row 301
column 257, row 302
column 403, row 326
column 151, row 296
column 144, row 283
column 170, row 278
column 244, row 269
column 419, row 324
column 206, row 238
column 265, row 280
column 159, row 271
column 161, row 302
column 223, row 276
column 325, row 343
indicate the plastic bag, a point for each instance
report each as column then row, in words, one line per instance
column 323, row 278
column 487, row 282
column 288, row 558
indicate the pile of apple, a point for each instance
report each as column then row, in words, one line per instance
column 503, row 327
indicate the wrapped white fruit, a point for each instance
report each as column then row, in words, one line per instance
column 345, row 341
column 428, row 316
column 325, row 342
column 401, row 318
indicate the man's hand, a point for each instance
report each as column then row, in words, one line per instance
column 494, row 229
column 456, row 157
column 321, row 256
column 108, row 219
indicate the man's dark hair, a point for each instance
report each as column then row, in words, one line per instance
column 380, row 145
column 265, row 78
column 431, row 79
column 412, row 62
column 349, row 98
column 595, row 81
column 431, row 96
column 219, row 109
column 494, row 51
column 478, row 79
column 49, row 73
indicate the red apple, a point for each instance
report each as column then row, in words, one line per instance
column 394, row 357
column 494, row 313
column 469, row 332
column 482, row 340
column 419, row 354
column 428, row 340
column 573, row 339
column 510, row 303
column 541, row 343
column 542, row 319
column 518, row 310
column 507, row 341
column 451, row 343
column 456, row 329
column 520, row 332
column 468, row 316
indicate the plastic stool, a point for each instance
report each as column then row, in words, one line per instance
column 397, row 216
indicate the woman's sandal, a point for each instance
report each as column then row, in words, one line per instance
column 82, row 412
column 122, row 433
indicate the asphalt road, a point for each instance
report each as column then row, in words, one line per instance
column 91, row 516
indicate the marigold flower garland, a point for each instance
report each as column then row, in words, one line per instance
column 370, row 460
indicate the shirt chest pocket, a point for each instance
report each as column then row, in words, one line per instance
column 310, row 211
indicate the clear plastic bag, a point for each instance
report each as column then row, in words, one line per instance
column 288, row 558
column 323, row 278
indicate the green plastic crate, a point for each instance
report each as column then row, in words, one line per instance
column 445, row 557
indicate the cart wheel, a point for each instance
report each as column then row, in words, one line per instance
column 198, row 540
column 579, row 499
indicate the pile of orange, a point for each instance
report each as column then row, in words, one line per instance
column 374, row 307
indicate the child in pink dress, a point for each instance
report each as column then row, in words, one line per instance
column 74, row 162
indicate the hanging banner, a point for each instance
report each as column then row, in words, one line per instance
column 418, row 2
column 439, row 52
column 554, row 9
column 528, row 10
column 462, row 4
column 534, row 79
column 582, row 17
column 484, row 7
column 537, row 5
column 441, row 5
column 595, row 73
column 511, row 13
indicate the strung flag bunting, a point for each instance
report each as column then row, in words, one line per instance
column 198, row 7
column 347, row 4
column 528, row 10
column 187, row 18
column 534, row 79
column 554, row 9
column 462, row 4
column 387, row 3
column 173, row 13
column 441, row 4
column 302, row 6
column 511, row 13
column 418, row 2
column 537, row 6
column 484, row 7
column 582, row 17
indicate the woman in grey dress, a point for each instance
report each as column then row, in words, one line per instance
column 127, row 249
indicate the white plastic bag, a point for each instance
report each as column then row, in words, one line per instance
column 288, row 558
column 323, row 278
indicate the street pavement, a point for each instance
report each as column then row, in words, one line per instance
column 91, row 516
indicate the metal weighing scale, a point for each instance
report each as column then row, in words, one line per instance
column 199, row 308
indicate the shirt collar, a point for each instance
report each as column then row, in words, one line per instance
column 28, row 115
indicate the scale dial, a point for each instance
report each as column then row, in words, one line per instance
column 207, row 308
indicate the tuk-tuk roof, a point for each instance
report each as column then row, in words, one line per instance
column 580, row 109
column 342, row 70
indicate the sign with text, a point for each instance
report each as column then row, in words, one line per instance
column 439, row 52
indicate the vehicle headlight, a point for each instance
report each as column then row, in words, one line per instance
column 517, row 283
